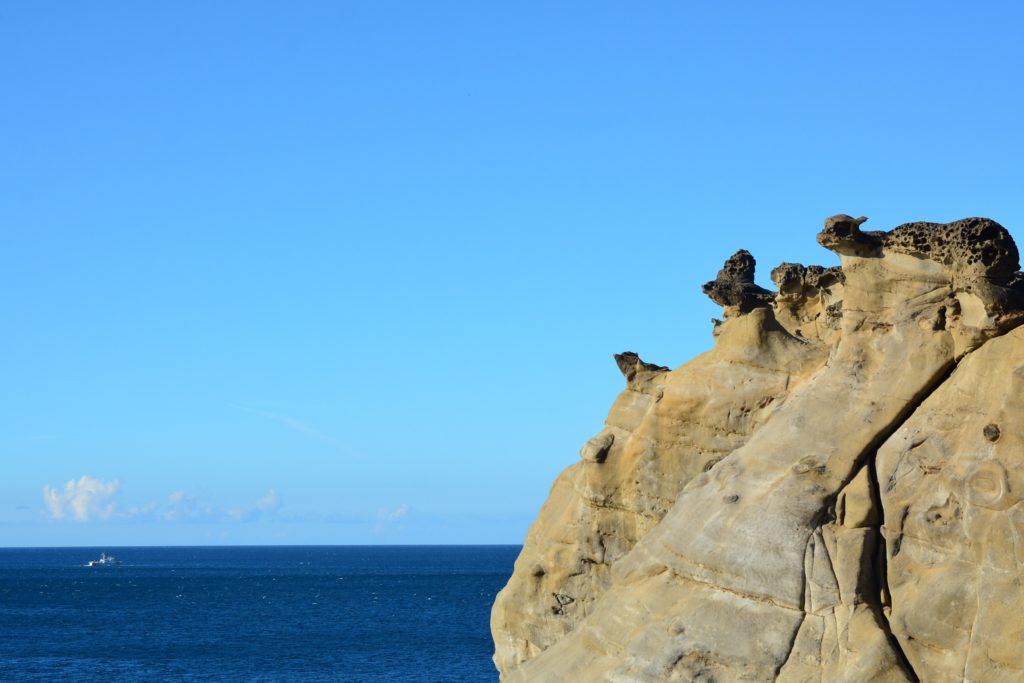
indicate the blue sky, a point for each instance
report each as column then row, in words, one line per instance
column 350, row 272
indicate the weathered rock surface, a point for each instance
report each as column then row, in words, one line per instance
column 952, row 482
column 830, row 494
column 664, row 429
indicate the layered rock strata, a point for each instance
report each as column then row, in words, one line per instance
column 787, row 505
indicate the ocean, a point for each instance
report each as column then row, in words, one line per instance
column 281, row 613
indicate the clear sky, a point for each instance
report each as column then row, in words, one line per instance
column 353, row 272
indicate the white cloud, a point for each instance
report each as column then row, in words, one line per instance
column 398, row 513
column 89, row 498
column 266, row 505
column 181, row 506
column 137, row 511
column 269, row 502
column 389, row 518
column 82, row 500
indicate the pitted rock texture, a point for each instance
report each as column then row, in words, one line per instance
column 963, row 244
column 810, row 299
column 734, row 289
column 830, row 494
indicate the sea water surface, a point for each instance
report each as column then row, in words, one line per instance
column 315, row 613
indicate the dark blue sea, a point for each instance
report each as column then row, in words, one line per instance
column 318, row 613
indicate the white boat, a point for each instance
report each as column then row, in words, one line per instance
column 104, row 561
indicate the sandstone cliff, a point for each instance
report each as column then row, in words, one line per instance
column 832, row 493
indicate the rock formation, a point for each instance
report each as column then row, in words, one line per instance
column 832, row 493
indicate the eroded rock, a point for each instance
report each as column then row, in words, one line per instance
column 665, row 428
column 734, row 289
column 952, row 485
column 829, row 494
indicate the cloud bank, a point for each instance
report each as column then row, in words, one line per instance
column 89, row 498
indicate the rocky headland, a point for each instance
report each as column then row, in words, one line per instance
column 831, row 493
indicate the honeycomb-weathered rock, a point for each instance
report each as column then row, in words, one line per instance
column 832, row 493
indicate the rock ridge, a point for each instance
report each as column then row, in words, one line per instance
column 787, row 505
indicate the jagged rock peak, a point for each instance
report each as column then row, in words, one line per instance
column 734, row 289
column 966, row 243
column 794, row 278
column 632, row 366
column 740, row 267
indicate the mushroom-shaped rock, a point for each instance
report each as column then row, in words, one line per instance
column 975, row 257
column 734, row 289
column 974, row 244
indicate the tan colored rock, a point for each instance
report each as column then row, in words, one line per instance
column 810, row 300
column 857, row 504
column 769, row 566
column 952, row 485
column 664, row 429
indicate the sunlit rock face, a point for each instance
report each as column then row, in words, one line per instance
column 831, row 493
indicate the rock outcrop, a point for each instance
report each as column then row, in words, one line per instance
column 832, row 493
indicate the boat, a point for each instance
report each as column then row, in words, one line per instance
column 105, row 560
